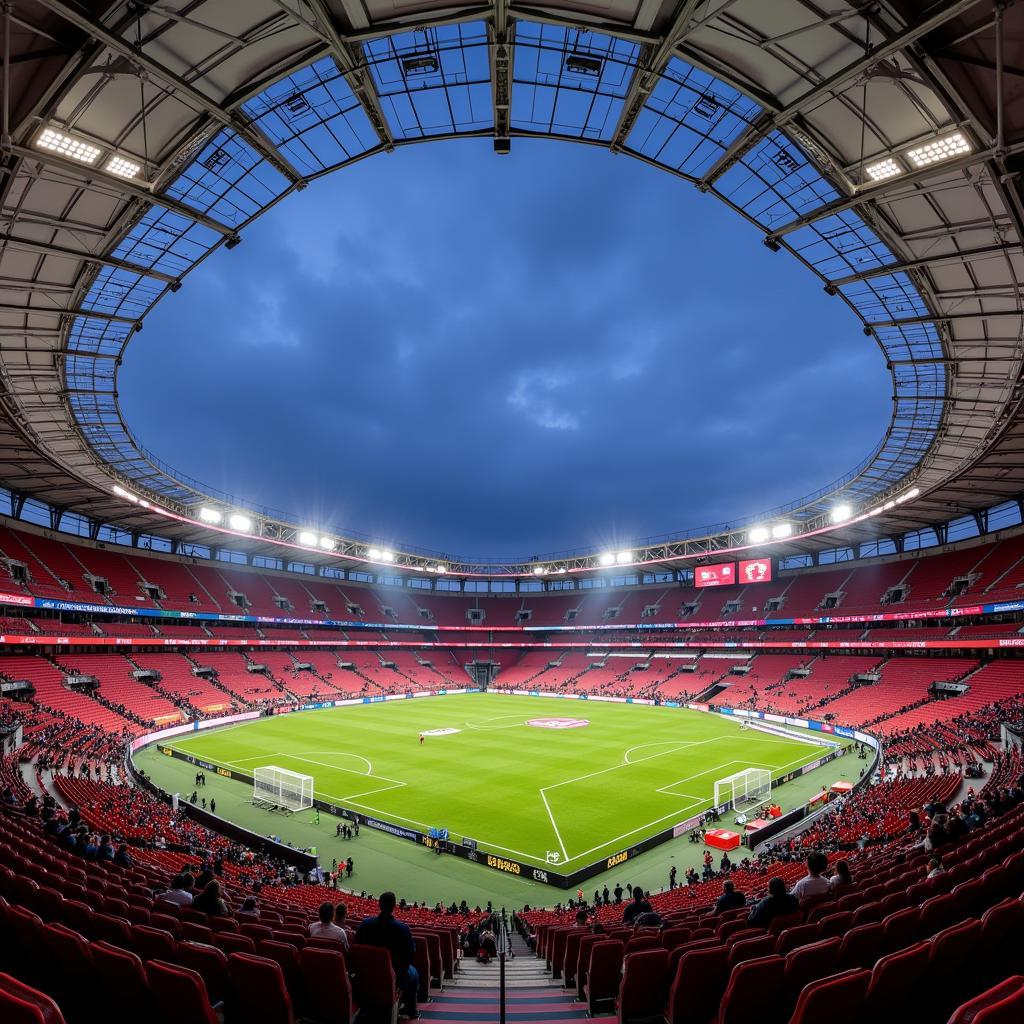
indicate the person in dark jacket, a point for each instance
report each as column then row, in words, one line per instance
column 394, row 936
column 777, row 903
column 638, row 906
column 730, row 898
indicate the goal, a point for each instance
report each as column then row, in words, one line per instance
column 280, row 789
column 745, row 790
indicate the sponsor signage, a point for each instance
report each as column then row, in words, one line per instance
column 617, row 858
column 511, row 867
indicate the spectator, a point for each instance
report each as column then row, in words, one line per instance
column 842, row 877
column 327, row 927
column 730, row 898
column 209, row 900
column 935, row 868
column 777, row 903
column 177, row 893
column 813, row 883
column 636, row 907
column 384, row 931
column 249, row 910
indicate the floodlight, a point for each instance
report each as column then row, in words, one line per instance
column 841, row 513
column 120, row 491
column 758, row 534
column 624, row 557
column 539, row 570
column 888, row 505
column 560, row 570
column 64, row 145
column 944, row 148
column 373, row 554
column 607, row 558
column 239, row 522
column 387, row 556
column 210, row 515
column 307, row 538
column 781, row 530
column 440, row 568
column 121, row 168
column 913, row 493
column 327, row 544
column 883, row 169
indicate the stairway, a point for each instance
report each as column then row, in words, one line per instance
column 522, row 1005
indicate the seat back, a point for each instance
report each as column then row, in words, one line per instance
column 644, row 984
column 837, row 999
column 257, row 992
column 895, row 980
column 287, row 958
column 835, row 924
column 861, row 945
column 799, row 935
column 210, row 963
column 642, row 942
column 122, row 976
column 373, row 981
column 178, row 994
column 583, row 959
column 754, row 991
column 22, row 1004
column 749, row 949
column 971, row 1011
column 326, row 990
column 603, row 971
column 900, row 929
column 153, row 943
column 698, row 985
column 809, row 963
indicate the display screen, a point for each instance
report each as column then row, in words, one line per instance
column 755, row 570
column 721, row 575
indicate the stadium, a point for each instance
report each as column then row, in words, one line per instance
column 258, row 768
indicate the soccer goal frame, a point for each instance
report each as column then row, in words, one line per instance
column 745, row 790
column 281, row 790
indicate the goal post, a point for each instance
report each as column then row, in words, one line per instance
column 281, row 789
column 744, row 790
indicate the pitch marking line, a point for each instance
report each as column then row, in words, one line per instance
column 554, row 825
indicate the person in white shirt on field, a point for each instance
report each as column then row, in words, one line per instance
column 325, row 928
column 813, row 883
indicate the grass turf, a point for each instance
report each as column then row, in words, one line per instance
column 519, row 791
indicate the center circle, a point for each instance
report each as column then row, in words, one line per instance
column 558, row 723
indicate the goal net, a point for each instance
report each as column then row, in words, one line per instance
column 745, row 790
column 281, row 789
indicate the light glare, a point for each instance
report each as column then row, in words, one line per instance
column 758, row 534
column 607, row 558
column 841, row 513
column 883, row 169
column 210, row 515
column 937, row 150
column 239, row 522
column 624, row 557
column 307, row 538
column 74, row 149
column 782, row 530
column 327, row 544
column 122, row 168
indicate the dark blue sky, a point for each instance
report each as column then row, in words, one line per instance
column 505, row 356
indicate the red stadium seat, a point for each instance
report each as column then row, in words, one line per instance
column 122, row 975
column 178, row 994
column 21, row 1004
column 834, row 1000
column 326, row 990
column 603, row 971
column 754, row 991
column 698, row 986
column 644, row 985
column 210, row 963
column 258, row 994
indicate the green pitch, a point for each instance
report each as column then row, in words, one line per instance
column 533, row 794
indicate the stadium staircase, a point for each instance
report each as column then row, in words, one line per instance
column 530, row 994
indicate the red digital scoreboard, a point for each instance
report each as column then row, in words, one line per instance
column 755, row 570
column 723, row 574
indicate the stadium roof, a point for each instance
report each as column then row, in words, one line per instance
column 880, row 144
